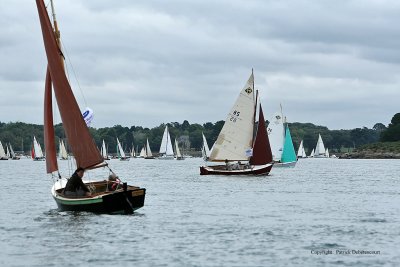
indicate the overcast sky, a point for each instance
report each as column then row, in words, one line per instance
column 331, row 63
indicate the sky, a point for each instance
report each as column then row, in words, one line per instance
column 148, row 62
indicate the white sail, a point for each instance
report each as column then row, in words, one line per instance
column 327, row 153
column 121, row 151
column 301, row 153
column 178, row 152
column 2, row 152
column 320, row 148
column 12, row 153
column 103, row 151
column 62, row 151
column 236, row 136
column 205, row 150
column 37, row 148
column 166, row 144
column 8, row 154
column 276, row 135
column 148, row 150
column 312, row 153
column 142, row 152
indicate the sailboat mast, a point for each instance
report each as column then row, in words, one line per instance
column 57, row 32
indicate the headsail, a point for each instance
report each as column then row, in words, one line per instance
column 261, row 150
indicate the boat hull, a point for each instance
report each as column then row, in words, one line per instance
column 119, row 201
column 221, row 170
column 285, row 164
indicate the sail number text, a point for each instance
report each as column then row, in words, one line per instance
column 234, row 116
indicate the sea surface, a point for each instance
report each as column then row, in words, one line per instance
column 323, row 212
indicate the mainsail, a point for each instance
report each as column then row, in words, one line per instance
column 120, row 151
column 236, row 136
column 178, row 152
column 205, row 150
column 82, row 145
column 261, row 149
column 166, row 144
column 320, row 148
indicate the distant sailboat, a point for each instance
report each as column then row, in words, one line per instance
column 320, row 148
column 245, row 150
column 62, row 152
column 147, row 151
column 37, row 153
column 178, row 151
column 301, row 153
column 205, row 151
column 3, row 155
column 327, row 153
column 312, row 154
column 13, row 156
column 103, row 151
column 281, row 142
column 120, row 152
column 166, row 151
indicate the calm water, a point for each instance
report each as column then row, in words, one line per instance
column 284, row 219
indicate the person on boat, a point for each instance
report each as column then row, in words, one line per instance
column 75, row 186
column 114, row 182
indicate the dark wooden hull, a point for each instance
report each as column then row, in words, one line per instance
column 221, row 170
column 120, row 201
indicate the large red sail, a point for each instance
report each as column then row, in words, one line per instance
column 262, row 153
column 82, row 145
column 49, row 144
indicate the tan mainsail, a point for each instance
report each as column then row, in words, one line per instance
column 82, row 145
column 236, row 136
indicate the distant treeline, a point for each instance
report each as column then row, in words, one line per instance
column 189, row 136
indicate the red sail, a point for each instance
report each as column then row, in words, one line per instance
column 262, row 153
column 50, row 146
column 33, row 152
column 82, row 145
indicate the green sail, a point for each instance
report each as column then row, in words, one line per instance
column 288, row 154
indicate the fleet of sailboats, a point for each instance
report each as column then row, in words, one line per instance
column 244, row 149
column 86, row 154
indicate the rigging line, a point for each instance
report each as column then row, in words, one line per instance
column 73, row 70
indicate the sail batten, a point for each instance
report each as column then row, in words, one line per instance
column 82, row 145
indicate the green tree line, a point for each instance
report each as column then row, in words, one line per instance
column 189, row 136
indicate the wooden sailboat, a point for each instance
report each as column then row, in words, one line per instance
column 120, row 152
column 235, row 145
column 178, row 151
column 166, row 151
column 87, row 156
column 37, row 152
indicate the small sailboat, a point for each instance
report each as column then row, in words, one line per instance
column 166, row 151
column 301, row 153
column 13, row 156
column 103, row 151
column 319, row 148
column 3, row 155
column 312, row 154
column 147, row 151
column 205, row 151
column 245, row 150
column 37, row 153
column 62, row 151
column 133, row 153
column 178, row 151
column 124, row 199
column 120, row 152
column 281, row 142
column 327, row 153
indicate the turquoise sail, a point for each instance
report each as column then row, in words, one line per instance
column 288, row 154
